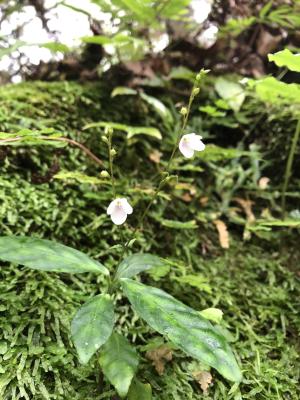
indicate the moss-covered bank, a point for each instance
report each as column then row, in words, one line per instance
column 254, row 283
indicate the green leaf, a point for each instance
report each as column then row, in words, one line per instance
column 46, row 255
column 182, row 73
column 28, row 137
column 266, row 225
column 276, row 92
column 178, row 224
column 198, row 281
column 159, row 107
column 215, row 153
column 212, row 111
column 55, row 47
column 136, row 263
column 286, row 58
column 183, row 326
column 140, row 391
column 123, row 91
column 213, row 314
column 131, row 130
column 79, row 177
column 232, row 92
column 119, row 362
column 92, row 326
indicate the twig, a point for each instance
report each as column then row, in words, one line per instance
column 61, row 139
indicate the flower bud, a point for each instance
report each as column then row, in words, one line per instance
column 183, row 111
column 113, row 152
column 104, row 174
column 104, row 138
column 108, row 131
column 196, row 91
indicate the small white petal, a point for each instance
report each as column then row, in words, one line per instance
column 111, row 207
column 119, row 216
column 126, row 206
column 185, row 148
column 196, row 143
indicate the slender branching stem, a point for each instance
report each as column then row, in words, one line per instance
column 59, row 139
column 111, row 162
column 288, row 169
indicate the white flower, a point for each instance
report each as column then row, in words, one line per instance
column 118, row 210
column 190, row 143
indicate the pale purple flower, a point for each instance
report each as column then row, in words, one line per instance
column 118, row 210
column 190, row 143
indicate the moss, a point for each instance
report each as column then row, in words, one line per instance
column 253, row 283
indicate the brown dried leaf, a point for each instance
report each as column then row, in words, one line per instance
column 247, row 208
column 159, row 357
column 155, row 156
column 204, row 379
column 223, row 233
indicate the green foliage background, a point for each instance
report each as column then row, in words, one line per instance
column 253, row 282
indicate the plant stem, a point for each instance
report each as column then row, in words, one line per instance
column 166, row 172
column 288, row 169
column 110, row 155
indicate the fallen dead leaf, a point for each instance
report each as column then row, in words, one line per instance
column 159, row 357
column 203, row 201
column 247, row 208
column 223, row 233
column 204, row 379
column 155, row 156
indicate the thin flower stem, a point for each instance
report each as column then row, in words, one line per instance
column 288, row 169
column 111, row 157
column 166, row 172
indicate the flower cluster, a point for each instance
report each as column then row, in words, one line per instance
column 119, row 208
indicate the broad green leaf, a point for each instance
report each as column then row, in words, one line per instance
column 123, row 91
column 79, row 177
column 232, row 92
column 92, row 326
column 182, row 73
column 216, row 153
column 213, row 314
column 119, row 362
column 131, row 130
column 159, row 107
column 183, row 326
column 286, row 58
column 55, row 47
column 140, row 391
column 212, row 111
column 136, row 263
column 276, row 92
column 46, row 255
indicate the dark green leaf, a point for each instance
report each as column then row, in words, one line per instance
column 183, row 326
column 140, row 391
column 92, row 326
column 119, row 362
column 137, row 263
column 46, row 255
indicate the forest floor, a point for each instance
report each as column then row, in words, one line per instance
column 254, row 282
